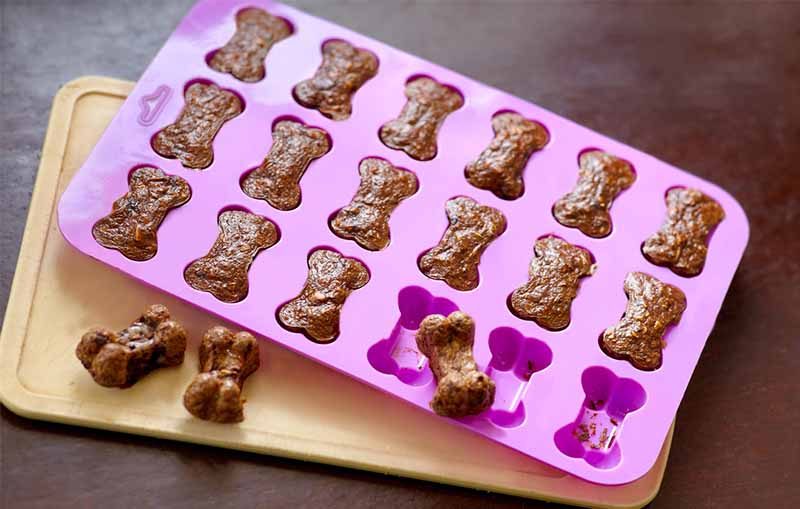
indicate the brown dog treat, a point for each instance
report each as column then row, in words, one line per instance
column 277, row 180
column 555, row 273
column 601, row 178
column 472, row 228
column 415, row 130
column 499, row 167
column 366, row 218
column 344, row 69
column 243, row 55
column 120, row 359
column 226, row 360
column 316, row 310
column 461, row 388
column 638, row 336
column 132, row 226
column 680, row 243
column 189, row 138
column 223, row 271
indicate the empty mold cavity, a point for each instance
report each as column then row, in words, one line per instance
column 594, row 435
column 515, row 359
column 398, row 354
column 152, row 104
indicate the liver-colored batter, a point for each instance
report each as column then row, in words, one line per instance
column 555, row 273
column 681, row 242
column 132, row 226
column 417, row 127
column 472, row 228
column 344, row 69
column 223, row 271
column 316, row 311
column 243, row 55
column 601, row 178
column 366, row 218
column 638, row 336
column 499, row 167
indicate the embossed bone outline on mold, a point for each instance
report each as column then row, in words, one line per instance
column 594, row 434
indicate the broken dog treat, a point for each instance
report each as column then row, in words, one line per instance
column 601, row 178
column 472, row 228
column 680, row 243
column 461, row 388
column 277, row 180
column 189, row 139
column 499, row 167
column 366, row 218
column 344, row 69
column 120, row 359
column 226, row 360
column 223, row 271
column 316, row 310
column 555, row 273
column 415, row 130
column 132, row 226
column 243, row 55
column 638, row 336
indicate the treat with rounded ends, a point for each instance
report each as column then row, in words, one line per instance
column 638, row 336
column 499, row 167
column 344, row 69
column 601, row 178
column 243, row 55
column 415, row 130
column 366, row 219
column 680, row 243
column 132, row 226
column 277, row 180
column 189, row 138
column 555, row 273
column 316, row 310
column 455, row 259
column 120, row 359
column 223, row 271
column 226, row 360
column 461, row 388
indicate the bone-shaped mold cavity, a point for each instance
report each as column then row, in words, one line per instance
column 594, row 435
column 415, row 130
column 244, row 54
column 515, row 359
column 344, row 69
column 398, row 354
column 294, row 147
column 206, row 109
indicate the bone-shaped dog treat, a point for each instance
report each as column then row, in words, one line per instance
column 277, row 180
column 226, row 360
column 189, row 138
column 555, row 273
column 344, row 69
column 601, row 178
column 499, row 167
column 316, row 310
column 120, row 359
column 638, row 336
column 680, row 243
column 415, row 130
column 461, row 389
column 243, row 55
column 472, row 228
column 366, row 218
column 223, row 271
column 132, row 226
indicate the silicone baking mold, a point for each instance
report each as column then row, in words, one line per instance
column 546, row 380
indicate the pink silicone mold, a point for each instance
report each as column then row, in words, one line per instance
column 547, row 381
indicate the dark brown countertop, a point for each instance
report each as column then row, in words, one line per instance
column 710, row 87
